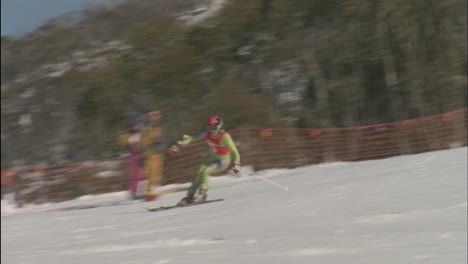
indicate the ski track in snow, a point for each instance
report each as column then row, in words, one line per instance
column 407, row 209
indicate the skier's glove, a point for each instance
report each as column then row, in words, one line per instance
column 177, row 147
column 236, row 167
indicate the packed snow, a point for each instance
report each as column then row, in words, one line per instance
column 406, row 209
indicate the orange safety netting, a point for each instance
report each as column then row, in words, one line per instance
column 259, row 147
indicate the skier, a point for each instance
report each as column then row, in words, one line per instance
column 223, row 150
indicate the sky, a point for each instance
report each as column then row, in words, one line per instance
column 19, row 17
column 408, row 209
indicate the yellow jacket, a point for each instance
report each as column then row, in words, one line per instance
column 151, row 135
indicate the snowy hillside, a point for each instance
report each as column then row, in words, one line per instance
column 408, row 209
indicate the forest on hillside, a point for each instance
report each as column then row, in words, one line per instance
column 295, row 63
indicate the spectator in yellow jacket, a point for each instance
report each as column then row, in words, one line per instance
column 154, row 145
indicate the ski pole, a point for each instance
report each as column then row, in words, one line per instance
column 269, row 181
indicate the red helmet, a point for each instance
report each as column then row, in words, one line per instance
column 215, row 123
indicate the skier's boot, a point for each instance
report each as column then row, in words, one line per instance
column 186, row 200
column 190, row 195
column 201, row 197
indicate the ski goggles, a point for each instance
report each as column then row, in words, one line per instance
column 213, row 127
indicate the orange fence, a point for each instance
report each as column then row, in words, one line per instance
column 259, row 147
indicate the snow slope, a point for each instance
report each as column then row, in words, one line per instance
column 407, row 209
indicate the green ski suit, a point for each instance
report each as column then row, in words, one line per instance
column 223, row 150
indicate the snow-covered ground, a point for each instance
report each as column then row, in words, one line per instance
column 407, row 209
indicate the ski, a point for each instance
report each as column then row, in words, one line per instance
column 164, row 208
